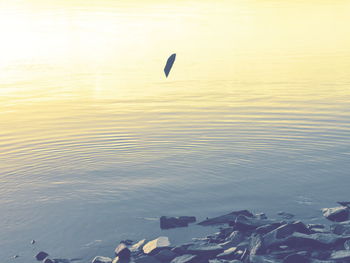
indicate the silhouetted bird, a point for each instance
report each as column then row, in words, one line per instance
column 169, row 64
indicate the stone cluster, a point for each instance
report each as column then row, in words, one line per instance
column 245, row 237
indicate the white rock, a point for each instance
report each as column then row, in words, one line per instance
column 159, row 242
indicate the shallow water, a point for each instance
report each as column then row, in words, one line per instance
column 96, row 143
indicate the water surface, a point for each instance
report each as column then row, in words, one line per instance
column 96, row 143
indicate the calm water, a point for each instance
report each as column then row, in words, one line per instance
column 96, row 143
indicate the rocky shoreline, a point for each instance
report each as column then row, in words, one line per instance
column 243, row 237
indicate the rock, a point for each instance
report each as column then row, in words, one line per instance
column 315, row 241
column 100, row 259
column 336, row 214
column 206, row 250
column 137, row 246
column 226, row 218
column 64, row 260
column 342, row 228
column 181, row 249
column 243, row 223
column 347, row 244
column 285, row 215
column 296, row 258
column 155, row 245
column 185, row 259
column 172, row 222
column 228, row 253
column 341, row 255
column 127, row 242
column 262, row 259
column 41, row 256
column 122, row 251
column 15, row 256
column 32, row 242
column 260, row 216
column 147, row 259
column 165, row 255
column 346, row 203
column 279, row 235
column 264, row 229
column 256, row 245
column 47, row 260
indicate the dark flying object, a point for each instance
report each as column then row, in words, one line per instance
column 169, row 64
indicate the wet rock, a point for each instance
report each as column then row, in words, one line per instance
column 185, row 259
column 336, row 214
column 100, row 259
column 165, row 255
column 264, row 229
column 342, row 228
column 48, row 260
column 256, row 245
column 262, row 259
column 41, row 256
column 315, row 241
column 138, row 246
column 296, row 258
column 340, row 255
column 127, row 242
column 15, row 256
column 32, row 242
column 285, row 215
column 346, row 203
column 122, row 251
column 229, row 253
column 181, row 249
column 155, row 245
column 279, row 235
column 206, row 250
column 260, row 216
column 347, row 244
column 226, row 218
column 173, row 222
column 64, row 260
column 243, row 223
column 147, row 259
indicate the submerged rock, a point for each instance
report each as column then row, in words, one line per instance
column 336, row 214
column 296, row 258
column 41, row 256
column 244, row 223
column 226, row 218
column 155, row 245
column 173, row 222
column 100, row 259
column 48, row 260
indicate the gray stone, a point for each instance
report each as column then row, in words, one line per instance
column 244, row 223
column 226, row 218
column 256, row 245
column 100, row 259
column 296, row 258
column 336, row 214
column 285, row 215
column 264, row 229
column 41, row 256
column 206, row 250
column 315, row 241
column 342, row 228
column 185, row 259
column 347, row 244
column 228, row 253
column 48, row 260
column 165, row 255
column 155, row 245
column 173, row 222
column 64, row 260
column 122, row 251
column 340, row 255
column 147, row 259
